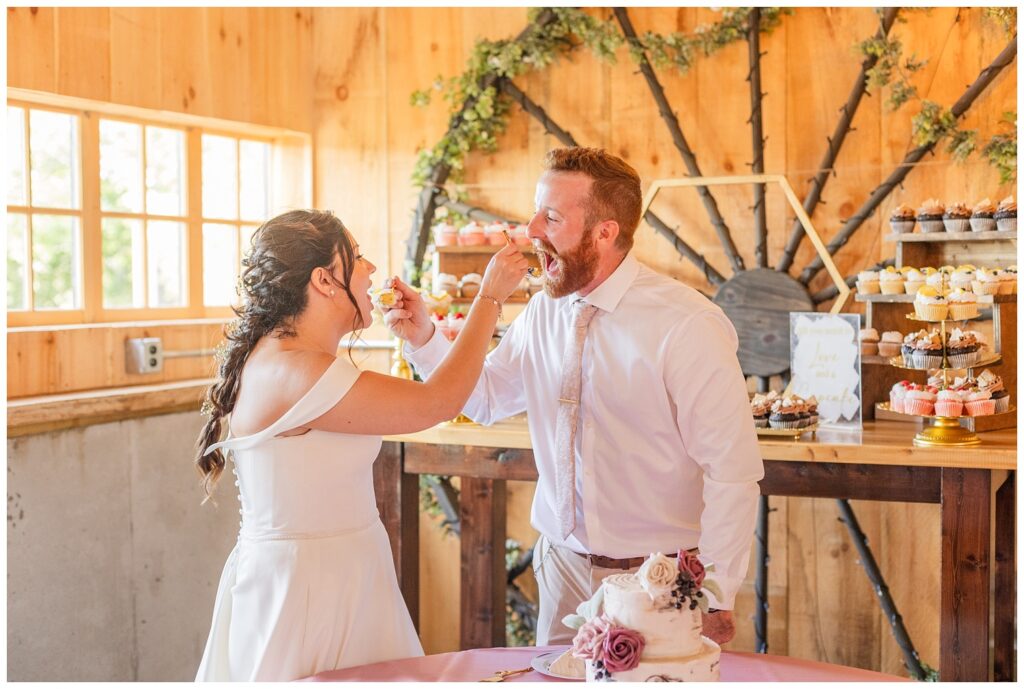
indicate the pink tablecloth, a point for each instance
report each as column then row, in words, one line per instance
column 470, row 666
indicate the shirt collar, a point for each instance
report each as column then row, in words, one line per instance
column 609, row 293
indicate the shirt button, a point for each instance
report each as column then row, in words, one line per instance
column 240, row 510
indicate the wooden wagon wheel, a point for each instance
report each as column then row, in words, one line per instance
column 757, row 300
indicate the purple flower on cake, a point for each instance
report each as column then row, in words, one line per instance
column 657, row 574
column 622, row 649
column 692, row 567
column 588, row 643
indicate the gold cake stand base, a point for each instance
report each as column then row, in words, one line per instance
column 946, row 432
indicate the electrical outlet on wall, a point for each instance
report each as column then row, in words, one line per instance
column 143, row 355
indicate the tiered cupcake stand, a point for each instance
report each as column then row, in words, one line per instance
column 944, row 431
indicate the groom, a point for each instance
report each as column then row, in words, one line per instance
column 638, row 411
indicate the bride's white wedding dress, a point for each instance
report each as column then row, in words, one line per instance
column 310, row 585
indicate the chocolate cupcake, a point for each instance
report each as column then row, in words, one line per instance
column 983, row 216
column 902, row 219
column 957, row 218
column 1006, row 215
column 929, row 216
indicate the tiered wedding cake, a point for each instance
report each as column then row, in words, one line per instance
column 647, row 626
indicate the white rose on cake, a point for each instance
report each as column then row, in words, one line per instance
column 658, row 574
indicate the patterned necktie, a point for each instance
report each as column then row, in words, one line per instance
column 568, row 414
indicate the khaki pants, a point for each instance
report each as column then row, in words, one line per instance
column 564, row 580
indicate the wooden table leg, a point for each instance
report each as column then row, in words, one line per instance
column 966, row 530
column 398, row 503
column 482, row 543
column 1004, row 669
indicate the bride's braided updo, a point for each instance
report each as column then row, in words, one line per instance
column 285, row 251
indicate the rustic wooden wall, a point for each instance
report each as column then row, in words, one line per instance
column 369, row 61
column 345, row 75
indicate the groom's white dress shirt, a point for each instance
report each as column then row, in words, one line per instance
column 666, row 452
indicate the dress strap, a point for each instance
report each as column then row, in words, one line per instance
column 327, row 391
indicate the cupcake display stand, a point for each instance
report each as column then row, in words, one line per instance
column 944, row 431
column 998, row 320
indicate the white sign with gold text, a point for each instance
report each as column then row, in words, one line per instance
column 825, row 363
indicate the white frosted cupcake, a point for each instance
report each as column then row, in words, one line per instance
column 962, row 277
column 469, row 285
column 948, row 403
column 891, row 281
column 985, row 281
column 472, row 234
column 868, row 282
column 446, row 282
column 495, row 233
column 962, row 304
column 930, row 305
column 914, row 280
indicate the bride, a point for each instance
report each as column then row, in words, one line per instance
column 310, row 585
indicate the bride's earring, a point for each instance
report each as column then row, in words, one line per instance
column 332, row 292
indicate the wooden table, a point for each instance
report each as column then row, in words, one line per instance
column 975, row 488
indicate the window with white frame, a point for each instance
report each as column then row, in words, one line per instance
column 117, row 217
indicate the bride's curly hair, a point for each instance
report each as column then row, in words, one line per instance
column 285, row 251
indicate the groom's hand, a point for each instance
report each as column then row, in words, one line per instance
column 719, row 626
column 408, row 318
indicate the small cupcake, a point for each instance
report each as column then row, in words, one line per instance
column 812, row 409
column 994, row 384
column 891, row 281
column 979, row 402
column 907, row 348
column 469, row 285
column 889, row 345
column 963, row 349
column 929, row 216
column 446, row 282
column 868, row 282
column 1007, row 282
column 445, row 234
column 761, row 409
column 962, row 277
column 920, row 402
column 963, row 305
column 519, row 236
column 455, row 322
column 957, row 217
column 930, row 304
column 440, row 321
column 948, row 403
column 1006, row 215
column 383, row 298
column 897, row 394
column 494, row 233
column 436, row 302
column 472, row 234
column 985, row 281
column 869, row 342
column 915, row 280
column 785, row 414
column 902, row 219
column 983, row 216
column 928, row 352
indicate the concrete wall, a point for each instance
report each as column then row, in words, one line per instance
column 112, row 564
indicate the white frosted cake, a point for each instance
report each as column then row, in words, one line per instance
column 646, row 627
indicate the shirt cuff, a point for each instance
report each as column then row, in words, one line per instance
column 729, row 586
column 429, row 356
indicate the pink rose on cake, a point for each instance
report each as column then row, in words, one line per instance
column 658, row 574
column 690, row 566
column 588, row 644
column 622, row 649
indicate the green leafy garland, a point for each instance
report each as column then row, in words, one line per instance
column 934, row 123
column 487, row 118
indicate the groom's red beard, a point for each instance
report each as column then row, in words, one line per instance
column 569, row 271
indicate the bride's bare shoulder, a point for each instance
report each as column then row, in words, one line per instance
column 271, row 383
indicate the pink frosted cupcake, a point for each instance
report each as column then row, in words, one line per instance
column 472, row 234
column 919, row 402
column 897, row 394
column 495, row 233
column 979, row 403
column 948, row 403
column 519, row 235
column 445, row 234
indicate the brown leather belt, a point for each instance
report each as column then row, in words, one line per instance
column 612, row 563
